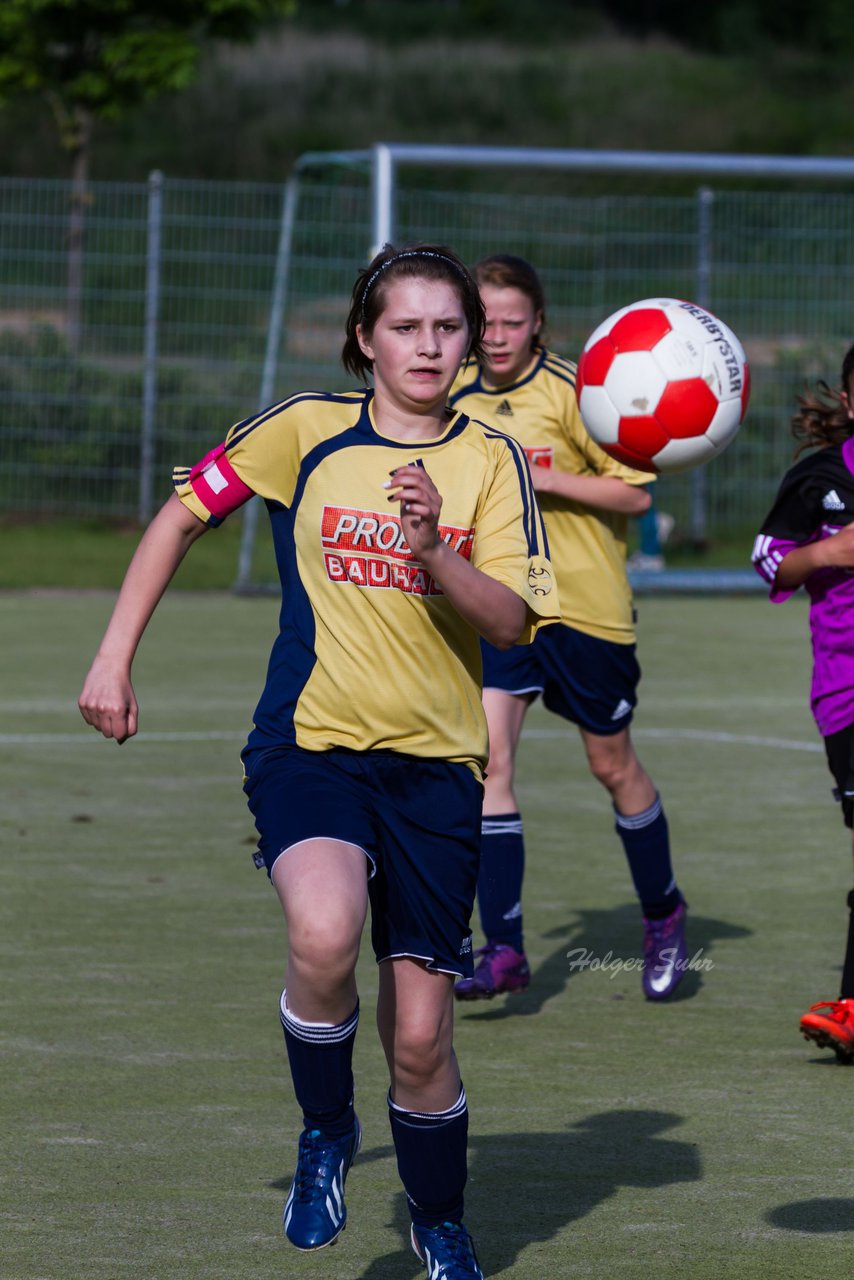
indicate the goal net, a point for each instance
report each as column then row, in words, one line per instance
column 760, row 241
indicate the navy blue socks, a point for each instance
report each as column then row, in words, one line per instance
column 646, row 841
column 499, row 883
column 321, row 1060
column 432, row 1160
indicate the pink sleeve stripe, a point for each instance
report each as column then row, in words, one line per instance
column 217, row 485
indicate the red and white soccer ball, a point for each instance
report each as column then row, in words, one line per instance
column 663, row 385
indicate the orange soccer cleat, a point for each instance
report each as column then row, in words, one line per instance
column 830, row 1023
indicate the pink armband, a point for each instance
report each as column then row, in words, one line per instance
column 217, row 485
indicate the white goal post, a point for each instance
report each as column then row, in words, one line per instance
column 381, row 167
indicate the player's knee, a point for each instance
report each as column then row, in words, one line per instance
column 611, row 772
column 325, row 955
column 421, row 1054
column 614, row 763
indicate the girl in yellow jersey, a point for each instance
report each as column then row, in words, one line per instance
column 585, row 668
column 404, row 532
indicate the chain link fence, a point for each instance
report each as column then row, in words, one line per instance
column 200, row 301
column 173, row 317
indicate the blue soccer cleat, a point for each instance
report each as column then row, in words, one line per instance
column 447, row 1251
column 315, row 1213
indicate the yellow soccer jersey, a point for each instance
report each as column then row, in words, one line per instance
column 370, row 654
column 588, row 548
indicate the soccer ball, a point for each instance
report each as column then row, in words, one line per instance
column 663, row 385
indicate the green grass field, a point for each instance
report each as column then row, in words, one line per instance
column 147, row 1125
column 93, row 554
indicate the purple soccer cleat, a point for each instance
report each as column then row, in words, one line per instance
column 664, row 954
column 501, row 970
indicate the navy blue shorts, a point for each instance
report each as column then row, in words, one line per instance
column 417, row 820
column 589, row 681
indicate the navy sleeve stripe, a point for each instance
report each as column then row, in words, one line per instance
column 248, row 425
column 561, row 369
column 535, row 531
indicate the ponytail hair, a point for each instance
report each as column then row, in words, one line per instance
column 822, row 417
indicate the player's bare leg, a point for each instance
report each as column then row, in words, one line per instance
column 323, row 888
column 505, row 716
column 415, row 1018
column 614, row 762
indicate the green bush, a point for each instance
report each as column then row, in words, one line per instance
column 71, row 425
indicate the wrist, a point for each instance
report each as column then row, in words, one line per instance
column 431, row 556
column 115, row 654
column 544, row 479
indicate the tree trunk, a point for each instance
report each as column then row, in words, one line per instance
column 77, row 225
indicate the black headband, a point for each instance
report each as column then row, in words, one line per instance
column 398, row 257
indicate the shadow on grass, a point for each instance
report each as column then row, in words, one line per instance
column 819, row 1216
column 611, row 938
column 525, row 1188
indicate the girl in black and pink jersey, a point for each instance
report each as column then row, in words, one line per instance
column 807, row 540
